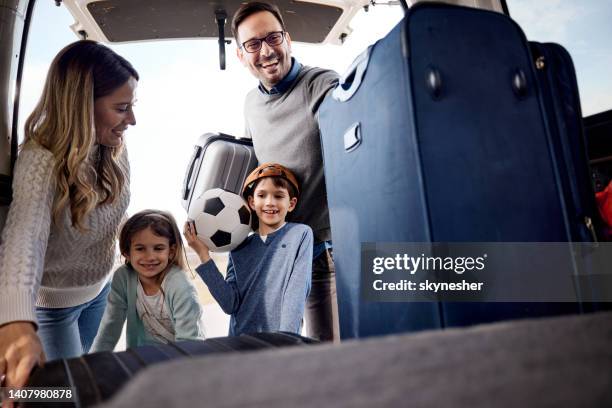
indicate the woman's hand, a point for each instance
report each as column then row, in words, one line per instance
column 190, row 233
column 20, row 351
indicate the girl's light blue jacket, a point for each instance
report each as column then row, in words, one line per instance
column 180, row 298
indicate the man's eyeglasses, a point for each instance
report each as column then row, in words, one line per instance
column 272, row 39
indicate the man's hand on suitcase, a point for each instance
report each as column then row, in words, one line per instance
column 20, row 351
column 190, row 233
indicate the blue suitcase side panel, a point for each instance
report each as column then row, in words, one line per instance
column 560, row 96
column 484, row 146
column 486, row 123
column 369, row 174
column 557, row 80
column 371, row 198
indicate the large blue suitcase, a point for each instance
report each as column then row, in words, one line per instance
column 440, row 133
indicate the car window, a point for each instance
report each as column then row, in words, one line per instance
column 584, row 29
column 49, row 32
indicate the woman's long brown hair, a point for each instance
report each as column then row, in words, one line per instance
column 63, row 123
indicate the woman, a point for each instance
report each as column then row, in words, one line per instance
column 70, row 192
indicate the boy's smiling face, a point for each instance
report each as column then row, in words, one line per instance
column 271, row 204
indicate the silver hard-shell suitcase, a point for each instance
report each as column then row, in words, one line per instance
column 218, row 161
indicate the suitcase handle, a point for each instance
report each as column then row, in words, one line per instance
column 352, row 137
column 187, row 184
column 351, row 80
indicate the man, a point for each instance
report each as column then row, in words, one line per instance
column 280, row 119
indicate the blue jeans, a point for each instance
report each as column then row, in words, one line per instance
column 69, row 332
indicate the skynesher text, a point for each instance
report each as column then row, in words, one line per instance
column 406, row 285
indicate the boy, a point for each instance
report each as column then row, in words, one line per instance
column 269, row 274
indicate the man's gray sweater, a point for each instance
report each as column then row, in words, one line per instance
column 284, row 130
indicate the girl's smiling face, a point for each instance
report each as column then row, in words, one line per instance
column 150, row 254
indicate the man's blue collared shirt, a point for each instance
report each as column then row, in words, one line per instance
column 284, row 83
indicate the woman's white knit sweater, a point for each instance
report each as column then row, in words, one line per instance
column 47, row 264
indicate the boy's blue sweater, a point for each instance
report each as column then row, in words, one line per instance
column 267, row 283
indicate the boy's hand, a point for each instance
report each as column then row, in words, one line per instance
column 190, row 233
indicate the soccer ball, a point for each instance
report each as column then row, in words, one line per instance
column 222, row 219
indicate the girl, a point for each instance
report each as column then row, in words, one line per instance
column 70, row 192
column 151, row 289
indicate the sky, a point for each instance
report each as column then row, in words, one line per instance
column 182, row 94
column 583, row 27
